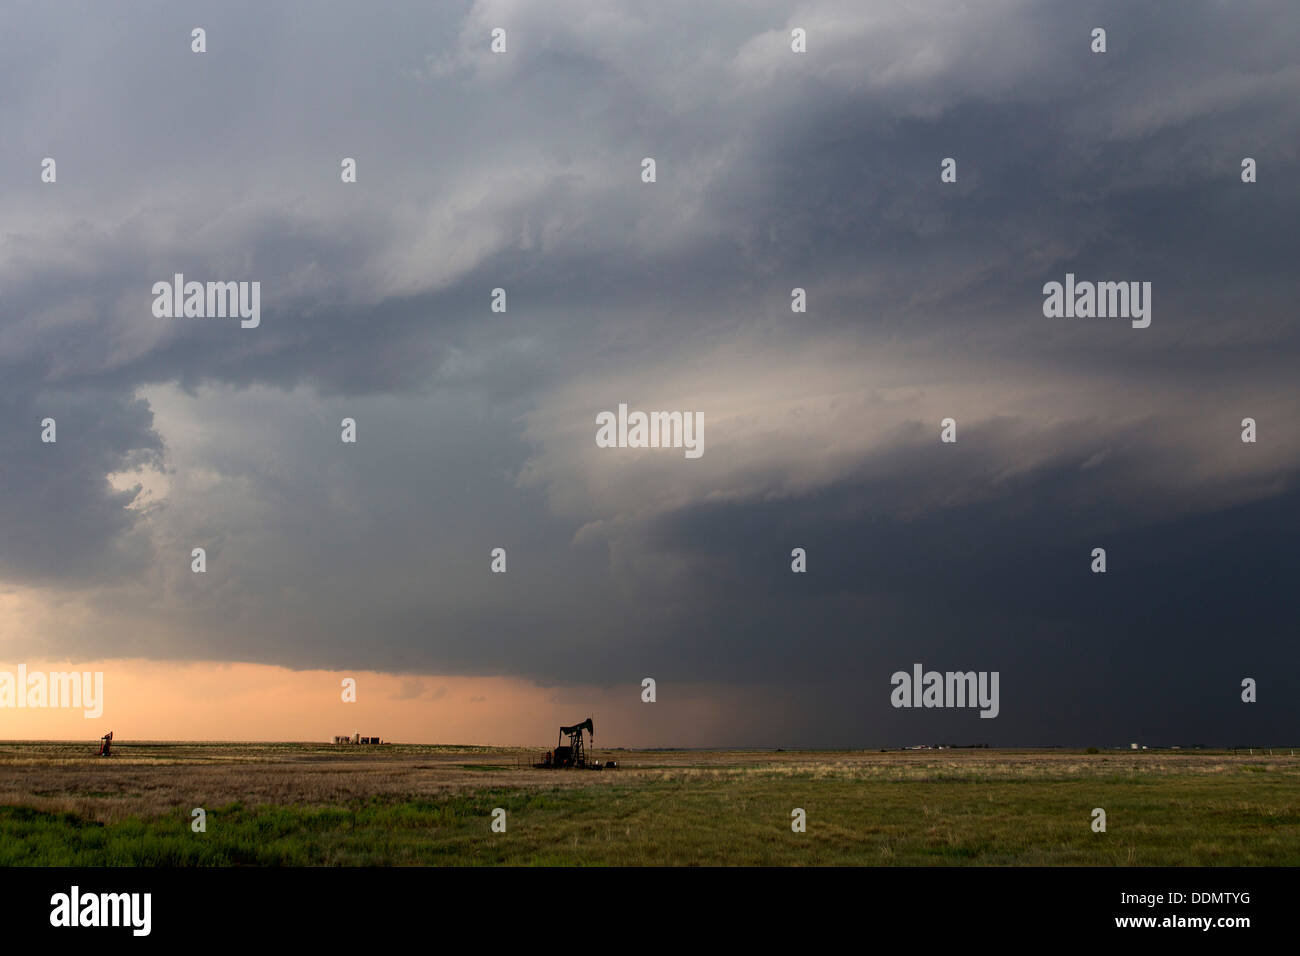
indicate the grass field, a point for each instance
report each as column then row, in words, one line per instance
column 308, row 804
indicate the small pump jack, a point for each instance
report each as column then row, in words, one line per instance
column 105, row 743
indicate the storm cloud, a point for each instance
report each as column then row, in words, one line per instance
column 775, row 170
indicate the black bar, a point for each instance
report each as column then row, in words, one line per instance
column 301, row 905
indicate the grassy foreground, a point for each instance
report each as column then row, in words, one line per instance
column 886, row 809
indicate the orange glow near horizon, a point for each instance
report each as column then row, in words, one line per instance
column 154, row 700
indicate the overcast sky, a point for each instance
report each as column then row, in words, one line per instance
column 475, row 429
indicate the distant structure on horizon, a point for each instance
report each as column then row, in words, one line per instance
column 357, row 739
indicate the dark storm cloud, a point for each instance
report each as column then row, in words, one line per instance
column 775, row 171
column 60, row 517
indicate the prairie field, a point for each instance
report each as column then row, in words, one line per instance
column 325, row 805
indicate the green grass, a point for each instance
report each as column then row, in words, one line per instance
column 1239, row 818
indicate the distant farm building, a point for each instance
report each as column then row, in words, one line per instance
column 357, row 739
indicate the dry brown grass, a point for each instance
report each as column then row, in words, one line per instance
column 147, row 779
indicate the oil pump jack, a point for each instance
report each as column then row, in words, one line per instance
column 105, row 744
column 574, row 753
